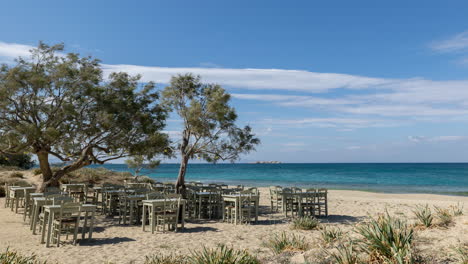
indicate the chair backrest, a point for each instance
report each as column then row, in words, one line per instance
column 70, row 209
column 60, row 200
column 286, row 190
column 171, row 205
column 155, row 195
column 52, row 190
column 173, row 195
column 296, row 190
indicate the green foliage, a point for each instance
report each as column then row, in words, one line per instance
column 13, row 257
column 209, row 129
column 305, row 223
column 279, row 243
column 222, row 255
column 387, row 238
column 140, row 162
column 96, row 175
column 330, row 234
column 60, row 105
column 22, row 161
column 444, row 216
column 346, row 254
column 37, row 171
column 424, row 215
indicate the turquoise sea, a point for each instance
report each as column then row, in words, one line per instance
column 447, row 178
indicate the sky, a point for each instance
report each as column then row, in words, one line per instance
column 319, row 81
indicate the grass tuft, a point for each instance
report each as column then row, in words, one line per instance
column 330, row 234
column 444, row 216
column 282, row 242
column 221, row 255
column 457, row 210
column 387, row 239
column 166, row 259
column 305, row 223
column 424, row 215
column 346, row 254
column 13, row 257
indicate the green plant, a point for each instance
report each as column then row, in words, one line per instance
column 37, row 171
column 282, row 242
column 13, row 257
column 16, row 175
column 331, row 234
column 444, row 216
column 424, row 215
column 221, row 255
column 461, row 253
column 457, row 210
column 166, row 259
column 305, row 223
column 386, row 238
column 346, row 254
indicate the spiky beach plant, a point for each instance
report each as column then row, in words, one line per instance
column 279, row 243
column 330, row 234
column 444, row 216
column 346, row 254
column 424, row 215
column 222, row 255
column 13, row 257
column 305, row 223
column 387, row 238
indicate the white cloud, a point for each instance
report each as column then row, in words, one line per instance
column 340, row 123
column 418, row 139
column 459, row 42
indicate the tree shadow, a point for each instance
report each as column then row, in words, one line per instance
column 197, row 229
column 105, row 241
column 342, row 219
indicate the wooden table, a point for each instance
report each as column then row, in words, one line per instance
column 158, row 203
column 20, row 192
column 133, row 201
column 235, row 198
column 49, row 212
column 38, row 203
column 299, row 196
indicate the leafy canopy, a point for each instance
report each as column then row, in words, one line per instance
column 59, row 104
column 209, row 129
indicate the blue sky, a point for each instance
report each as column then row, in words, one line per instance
column 335, row 81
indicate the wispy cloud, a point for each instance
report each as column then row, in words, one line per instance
column 459, row 42
column 418, row 139
column 341, row 123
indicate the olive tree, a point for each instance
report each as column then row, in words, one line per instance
column 209, row 130
column 60, row 106
column 140, row 162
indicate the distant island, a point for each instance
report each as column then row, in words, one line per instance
column 267, row 162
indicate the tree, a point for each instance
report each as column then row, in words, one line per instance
column 209, row 129
column 59, row 105
column 139, row 162
column 22, row 161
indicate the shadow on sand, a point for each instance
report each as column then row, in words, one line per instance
column 106, row 241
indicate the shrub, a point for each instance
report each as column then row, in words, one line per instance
column 13, row 257
column 16, row 175
column 346, row 254
column 444, row 216
column 305, row 223
column 457, row 210
column 37, row 171
column 424, row 215
column 222, row 255
column 23, row 161
column 166, row 259
column 387, row 238
column 331, row 234
column 279, row 243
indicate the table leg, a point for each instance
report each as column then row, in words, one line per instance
column 143, row 220
column 46, row 215
column 33, row 219
column 131, row 212
column 49, row 228
column 91, row 225
column 183, row 215
column 236, row 207
column 84, row 225
column 256, row 209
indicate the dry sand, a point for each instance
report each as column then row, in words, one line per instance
column 129, row 244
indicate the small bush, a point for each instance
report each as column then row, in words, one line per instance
column 279, row 243
column 37, row 171
column 13, row 257
column 305, row 223
column 387, row 239
column 16, row 175
column 424, row 215
column 331, row 234
column 444, row 216
column 222, row 255
column 346, row 254
column 457, row 210
column 166, row 259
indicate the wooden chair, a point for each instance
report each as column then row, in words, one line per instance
column 246, row 207
column 275, row 197
column 322, row 202
column 169, row 215
column 67, row 221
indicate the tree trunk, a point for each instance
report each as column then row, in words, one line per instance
column 47, row 175
column 180, row 183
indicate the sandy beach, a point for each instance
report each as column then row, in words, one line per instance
column 129, row 244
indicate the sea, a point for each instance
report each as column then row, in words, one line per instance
column 443, row 178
